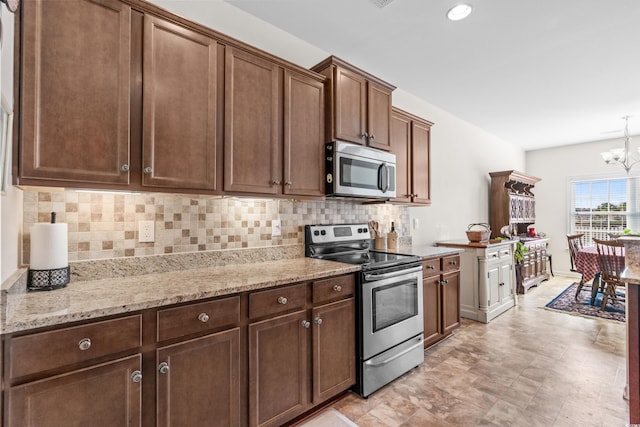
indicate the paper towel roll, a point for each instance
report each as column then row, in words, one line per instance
column 49, row 246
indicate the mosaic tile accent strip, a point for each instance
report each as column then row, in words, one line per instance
column 105, row 225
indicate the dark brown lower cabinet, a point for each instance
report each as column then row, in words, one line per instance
column 198, row 381
column 260, row 358
column 278, row 369
column 334, row 368
column 104, row 395
column 441, row 298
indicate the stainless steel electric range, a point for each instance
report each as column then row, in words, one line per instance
column 389, row 302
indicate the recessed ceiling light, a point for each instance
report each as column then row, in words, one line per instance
column 461, row 11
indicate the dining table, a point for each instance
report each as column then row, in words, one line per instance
column 588, row 265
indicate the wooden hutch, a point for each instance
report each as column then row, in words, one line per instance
column 513, row 204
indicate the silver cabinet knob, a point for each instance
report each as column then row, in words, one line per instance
column 372, row 136
column 282, row 300
column 136, row 376
column 124, row 168
column 275, row 182
column 415, row 195
column 288, row 183
column 203, row 317
column 365, row 135
column 84, row 344
column 148, row 170
column 317, row 320
column 306, row 324
column 453, row 263
column 337, row 288
column 163, row 368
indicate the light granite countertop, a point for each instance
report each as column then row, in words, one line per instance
column 89, row 299
column 132, row 284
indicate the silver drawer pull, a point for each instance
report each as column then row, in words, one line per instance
column 203, row 317
column 163, row 368
column 337, row 288
column 282, row 300
column 84, row 344
column 453, row 263
column 136, row 376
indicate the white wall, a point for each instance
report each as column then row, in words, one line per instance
column 556, row 166
column 11, row 202
column 462, row 154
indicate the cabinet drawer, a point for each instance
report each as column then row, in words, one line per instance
column 201, row 317
column 62, row 347
column 430, row 267
column 276, row 301
column 334, row 288
column 450, row 263
column 505, row 253
column 493, row 254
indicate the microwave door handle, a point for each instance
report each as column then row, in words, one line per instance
column 381, row 179
column 386, row 167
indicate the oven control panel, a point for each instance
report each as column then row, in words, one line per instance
column 336, row 233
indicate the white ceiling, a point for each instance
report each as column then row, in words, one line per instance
column 537, row 73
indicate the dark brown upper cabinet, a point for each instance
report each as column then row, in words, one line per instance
column 411, row 143
column 114, row 96
column 358, row 105
column 74, row 92
column 181, row 138
column 266, row 139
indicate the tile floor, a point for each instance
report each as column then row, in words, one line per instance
column 528, row 367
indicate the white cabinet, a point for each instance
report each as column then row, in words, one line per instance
column 487, row 279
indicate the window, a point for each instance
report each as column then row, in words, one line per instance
column 601, row 207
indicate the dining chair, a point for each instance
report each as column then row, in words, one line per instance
column 611, row 260
column 575, row 244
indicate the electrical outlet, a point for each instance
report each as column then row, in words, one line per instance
column 416, row 223
column 276, row 228
column 146, row 231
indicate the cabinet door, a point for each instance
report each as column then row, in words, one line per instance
column 201, row 382
column 303, row 135
column 75, row 125
column 506, row 283
column 493, row 281
column 421, row 162
column 334, row 350
column 278, row 369
column 350, row 97
column 179, row 107
column 431, row 298
column 379, row 116
column 401, row 147
column 450, row 302
column 252, row 141
column 100, row 396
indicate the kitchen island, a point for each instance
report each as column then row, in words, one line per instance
column 631, row 275
column 487, row 278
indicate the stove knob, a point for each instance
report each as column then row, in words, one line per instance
column 323, row 232
column 316, row 233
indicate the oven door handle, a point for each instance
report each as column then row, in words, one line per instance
column 374, row 364
column 376, row 277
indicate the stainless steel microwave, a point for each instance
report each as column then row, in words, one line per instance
column 356, row 171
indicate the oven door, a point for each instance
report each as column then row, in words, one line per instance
column 391, row 309
column 363, row 176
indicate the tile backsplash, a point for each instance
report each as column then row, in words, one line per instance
column 105, row 225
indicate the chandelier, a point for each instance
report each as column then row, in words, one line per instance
column 622, row 156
